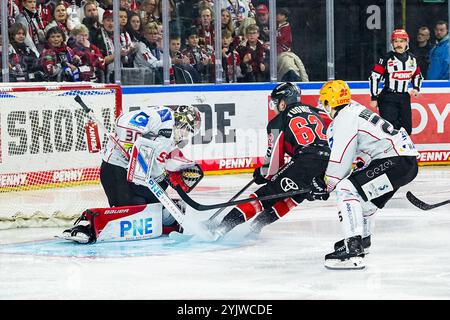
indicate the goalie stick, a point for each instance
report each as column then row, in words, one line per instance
column 203, row 207
column 422, row 205
column 154, row 186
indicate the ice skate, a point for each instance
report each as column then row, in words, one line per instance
column 365, row 243
column 349, row 256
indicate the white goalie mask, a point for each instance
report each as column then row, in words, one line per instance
column 187, row 123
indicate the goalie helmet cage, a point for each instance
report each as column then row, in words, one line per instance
column 47, row 175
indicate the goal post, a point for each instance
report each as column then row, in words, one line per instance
column 43, row 146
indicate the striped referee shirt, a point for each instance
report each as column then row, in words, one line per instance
column 397, row 70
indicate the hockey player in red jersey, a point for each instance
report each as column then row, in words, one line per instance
column 388, row 161
column 159, row 131
column 297, row 130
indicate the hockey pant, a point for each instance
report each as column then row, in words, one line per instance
column 296, row 174
column 121, row 192
column 364, row 191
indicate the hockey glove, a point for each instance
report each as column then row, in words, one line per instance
column 318, row 189
column 176, row 179
column 259, row 179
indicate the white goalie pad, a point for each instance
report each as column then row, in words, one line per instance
column 141, row 163
column 145, row 224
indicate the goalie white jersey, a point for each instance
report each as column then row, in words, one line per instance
column 155, row 124
column 357, row 133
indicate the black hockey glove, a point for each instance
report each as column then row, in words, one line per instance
column 259, row 179
column 318, row 189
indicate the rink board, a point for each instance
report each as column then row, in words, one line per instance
column 234, row 138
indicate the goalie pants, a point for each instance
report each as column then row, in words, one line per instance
column 120, row 191
column 298, row 173
column 399, row 170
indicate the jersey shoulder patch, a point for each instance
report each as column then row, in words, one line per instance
column 139, row 120
column 165, row 114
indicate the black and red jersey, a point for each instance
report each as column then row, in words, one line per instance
column 397, row 70
column 300, row 128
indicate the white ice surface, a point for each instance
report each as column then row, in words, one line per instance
column 409, row 259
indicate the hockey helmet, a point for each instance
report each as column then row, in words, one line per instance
column 187, row 122
column 287, row 91
column 399, row 34
column 333, row 94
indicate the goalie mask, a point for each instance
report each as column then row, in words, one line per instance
column 287, row 91
column 187, row 123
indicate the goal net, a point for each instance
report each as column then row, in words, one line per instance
column 47, row 175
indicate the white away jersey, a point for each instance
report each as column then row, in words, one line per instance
column 359, row 133
column 156, row 123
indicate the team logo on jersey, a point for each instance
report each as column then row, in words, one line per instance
column 287, row 184
column 140, row 120
column 165, row 115
column 402, row 75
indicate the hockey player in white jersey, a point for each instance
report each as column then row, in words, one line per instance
column 159, row 130
column 387, row 160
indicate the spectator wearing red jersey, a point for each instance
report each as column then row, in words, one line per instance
column 32, row 20
column 91, row 63
column 284, row 33
column 254, row 56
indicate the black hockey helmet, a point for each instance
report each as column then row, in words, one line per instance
column 287, row 91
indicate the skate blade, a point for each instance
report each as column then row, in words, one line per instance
column 352, row 263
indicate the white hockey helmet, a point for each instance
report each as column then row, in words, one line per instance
column 187, row 122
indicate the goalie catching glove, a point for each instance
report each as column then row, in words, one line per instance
column 187, row 179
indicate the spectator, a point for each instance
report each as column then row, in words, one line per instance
column 184, row 72
column 134, row 27
column 23, row 62
column 126, row 43
column 91, row 64
column 147, row 11
column 262, row 21
column 13, row 12
column 239, row 9
column 421, row 49
column 57, row 59
column 148, row 55
column 105, row 4
column 92, row 15
column 254, row 56
column 290, row 68
column 398, row 68
column 227, row 22
column 206, row 29
column 104, row 41
column 31, row 19
column 60, row 17
column 199, row 58
column 284, row 33
column 230, row 59
column 439, row 56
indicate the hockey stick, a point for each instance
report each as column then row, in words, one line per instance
column 422, row 205
column 203, row 207
column 232, row 199
column 154, row 186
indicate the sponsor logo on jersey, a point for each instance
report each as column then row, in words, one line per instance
column 401, row 75
column 287, row 184
column 392, row 63
column 165, row 133
column 165, row 115
column 379, row 169
column 140, row 120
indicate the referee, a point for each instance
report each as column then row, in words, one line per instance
column 397, row 68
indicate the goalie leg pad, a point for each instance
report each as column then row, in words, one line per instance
column 118, row 224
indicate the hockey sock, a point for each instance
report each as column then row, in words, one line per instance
column 284, row 206
column 250, row 209
column 231, row 220
column 350, row 209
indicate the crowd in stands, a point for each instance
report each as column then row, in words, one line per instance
column 72, row 40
